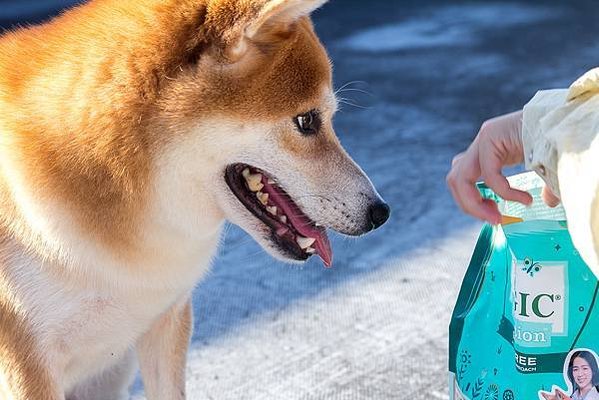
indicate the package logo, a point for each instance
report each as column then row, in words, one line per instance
column 531, row 267
column 539, row 298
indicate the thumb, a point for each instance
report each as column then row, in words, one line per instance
column 549, row 198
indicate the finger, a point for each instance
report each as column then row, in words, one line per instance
column 549, row 198
column 465, row 166
column 492, row 209
column 501, row 186
column 471, row 202
column 460, row 180
column 491, row 171
column 457, row 158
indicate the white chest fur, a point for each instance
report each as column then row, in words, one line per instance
column 89, row 308
column 83, row 324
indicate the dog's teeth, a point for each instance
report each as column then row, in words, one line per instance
column 263, row 197
column 254, row 182
column 310, row 250
column 283, row 219
column 255, row 187
column 304, row 243
column 246, row 173
column 270, row 182
column 272, row 210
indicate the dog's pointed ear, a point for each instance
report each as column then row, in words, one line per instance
column 281, row 12
column 273, row 16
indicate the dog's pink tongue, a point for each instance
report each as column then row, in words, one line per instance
column 323, row 248
column 303, row 225
column 322, row 244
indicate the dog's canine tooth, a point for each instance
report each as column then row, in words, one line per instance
column 272, row 210
column 254, row 182
column 263, row 197
column 304, row 242
column 310, row 250
column 283, row 219
column 270, row 181
column 246, row 173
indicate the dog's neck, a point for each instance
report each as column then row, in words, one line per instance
column 166, row 239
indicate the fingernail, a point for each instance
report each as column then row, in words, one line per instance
column 529, row 201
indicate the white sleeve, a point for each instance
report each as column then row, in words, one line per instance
column 561, row 143
column 540, row 148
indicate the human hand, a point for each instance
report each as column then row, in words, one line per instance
column 549, row 396
column 549, row 198
column 498, row 144
column 561, row 395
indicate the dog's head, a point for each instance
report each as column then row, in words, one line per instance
column 259, row 102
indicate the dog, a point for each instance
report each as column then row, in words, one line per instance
column 129, row 132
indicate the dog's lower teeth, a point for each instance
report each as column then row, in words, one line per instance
column 310, row 250
column 256, row 187
column 272, row 210
column 263, row 197
column 305, row 243
column 246, row 173
column 270, row 182
column 283, row 219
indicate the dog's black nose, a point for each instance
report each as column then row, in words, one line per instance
column 379, row 214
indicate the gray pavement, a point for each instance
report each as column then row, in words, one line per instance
column 375, row 326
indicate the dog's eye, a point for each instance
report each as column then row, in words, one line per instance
column 308, row 123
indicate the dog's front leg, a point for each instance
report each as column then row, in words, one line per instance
column 162, row 353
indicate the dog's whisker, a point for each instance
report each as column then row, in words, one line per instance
column 349, row 103
column 349, row 84
column 251, row 256
column 354, row 90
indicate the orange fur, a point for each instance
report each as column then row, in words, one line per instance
column 93, row 107
column 89, row 100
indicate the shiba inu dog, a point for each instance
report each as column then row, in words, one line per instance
column 129, row 132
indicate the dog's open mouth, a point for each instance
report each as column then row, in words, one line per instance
column 292, row 230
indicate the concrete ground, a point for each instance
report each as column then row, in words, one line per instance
column 375, row 326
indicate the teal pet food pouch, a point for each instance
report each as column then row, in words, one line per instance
column 526, row 322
